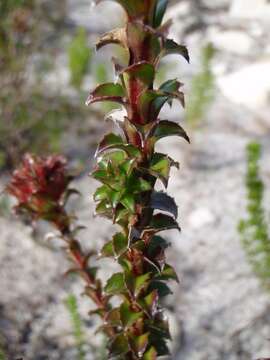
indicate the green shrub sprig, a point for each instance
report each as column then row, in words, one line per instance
column 254, row 230
column 128, row 167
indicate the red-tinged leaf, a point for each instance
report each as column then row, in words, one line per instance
column 132, row 134
column 116, row 284
column 162, row 201
column 166, row 128
column 138, row 34
column 107, row 92
column 171, row 47
column 113, row 317
column 151, row 354
column 139, row 344
column 168, row 273
column 116, row 36
column 120, row 243
column 142, row 71
column 160, row 8
column 128, row 316
column 92, row 293
column 109, row 141
column 119, row 346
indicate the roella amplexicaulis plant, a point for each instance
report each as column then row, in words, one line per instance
column 128, row 168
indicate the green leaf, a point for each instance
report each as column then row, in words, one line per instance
column 128, row 317
column 128, row 201
column 139, row 344
column 150, row 302
column 160, row 167
column 168, row 273
column 109, row 141
column 150, row 103
column 116, row 36
column 116, row 284
column 162, row 201
column 107, row 250
column 107, row 92
column 162, row 222
column 120, row 243
column 159, row 12
column 166, row 128
column 151, row 354
column 104, row 209
column 119, row 346
column 138, row 185
column 101, row 193
column 170, row 86
column 171, row 47
column 137, row 284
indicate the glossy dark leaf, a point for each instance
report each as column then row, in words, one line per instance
column 161, row 287
column 162, row 222
column 171, row 47
column 162, row 201
column 116, row 284
column 106, row 92
column 157, row 243
column 166, row 128
column 159, row 12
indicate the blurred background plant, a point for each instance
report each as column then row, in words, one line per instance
column 80, row 56
column 254, row 230
column 202, row 91
column 32, row 118
column 77, row 325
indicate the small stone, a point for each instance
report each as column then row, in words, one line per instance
column 249, row 86
column 201, row 217
column 236, row 42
